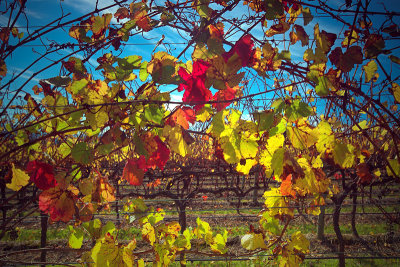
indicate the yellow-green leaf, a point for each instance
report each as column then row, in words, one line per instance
column 370, row 69
column 76, row 238
column 396, row 91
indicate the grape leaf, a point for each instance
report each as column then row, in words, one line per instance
column 3, row 68
column 323, row 87
column 19, row 179
column 343, row 155
column 325, row 40
column 370, row 70
column 374, row 46
column 396, row 92
column 148, row 233
column 225, row 95
column 82, row 153
column 253, row 241
column 299, row 34
column 286, row 187
column 395, row 166
column 107, row 252
column 277, row 161
column 194, row 84
column 244, row 49
column 160, row 156
column 299, row 242
column 59, row 203
column 174, row 139
column 134, row 171
column 76, row 237
column 41, row 174
column 140, row 16
column 122, row 13
column 182, row 117
column 307, row 16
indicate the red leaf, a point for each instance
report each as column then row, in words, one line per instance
column 41, row 174
column 195, row 89
column 244, row 49
column 364, row 173
column 160, row 157
column 46, row 88
column 59, row 203
column 225, row 94
column 122, row 13
column 134, row 171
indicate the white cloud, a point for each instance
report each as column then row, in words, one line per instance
column 85, row 6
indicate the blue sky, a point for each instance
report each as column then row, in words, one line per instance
column 41, row 12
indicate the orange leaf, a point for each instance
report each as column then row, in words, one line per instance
column 133, row 172
column 59, row 203
column 286, row 187
column 183, row 116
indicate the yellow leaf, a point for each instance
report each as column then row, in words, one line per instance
column 175, row 140
column 19, row 179
column 245, row 168
column 253, row 241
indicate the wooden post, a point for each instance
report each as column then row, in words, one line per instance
column 117, row 203
column 181, row 205
column 255, row 191
column 321, row 222
column 43, row 237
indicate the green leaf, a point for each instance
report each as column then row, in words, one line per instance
column 105, row 149
column 279, row 128
column 93, row 227
column 59, row 81
column 97, row 119
column 203, row 9
column 273, row 9
column 130, row 62
column 108, row 228
column 143, row 74
column 343, row 155
column 76, row 237
column 370, row 69
column 284, row 54
column 374, row 46
column 78, row 85
column 153, row 113
column 81, row 153
column 19, row 179
column 106, row 252
column 264, row 119
column 277, row 161
column 322, row 88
